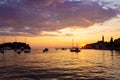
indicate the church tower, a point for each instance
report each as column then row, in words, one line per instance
column 111, row 40
column 102, row 38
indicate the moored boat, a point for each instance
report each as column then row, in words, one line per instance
column 45, row 50
column 18, row 51
column 26, row 50
column 1, row 51
column 75, row 49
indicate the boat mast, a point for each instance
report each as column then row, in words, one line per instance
column 72, row 43
column 15, row 38
column 3, row 39
column 25, row 39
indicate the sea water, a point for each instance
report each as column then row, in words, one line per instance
column 60, row 65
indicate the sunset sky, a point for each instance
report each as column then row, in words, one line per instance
column 54, row 23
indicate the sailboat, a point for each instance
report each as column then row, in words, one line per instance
column 74, row 49
column 18, row 51
column 2, row 51
column 45, row 50
column 27, row 48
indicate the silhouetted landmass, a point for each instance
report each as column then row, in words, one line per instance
column 111, row 45
column 14, row 46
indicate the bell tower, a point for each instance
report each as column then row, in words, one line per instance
column 102, row 38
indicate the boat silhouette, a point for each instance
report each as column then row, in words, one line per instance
column 45, row 50
column 74, row 49
column 2, row 51
column 18, row 51
column 27, row 51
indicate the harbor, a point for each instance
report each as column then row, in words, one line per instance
column 59, row 39
column 60, row 65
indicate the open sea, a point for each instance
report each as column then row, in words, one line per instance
column 60, row 65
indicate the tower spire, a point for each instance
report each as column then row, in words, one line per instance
column 111, row 40
column 103, row 38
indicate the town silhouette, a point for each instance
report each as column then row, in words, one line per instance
column 103, row 45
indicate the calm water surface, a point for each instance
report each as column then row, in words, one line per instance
column 60, row 65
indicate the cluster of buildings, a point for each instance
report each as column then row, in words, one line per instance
column 111, row 45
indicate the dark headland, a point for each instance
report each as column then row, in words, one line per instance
column 15, row 46
column 102, row 45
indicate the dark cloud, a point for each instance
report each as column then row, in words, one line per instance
column 34, row 16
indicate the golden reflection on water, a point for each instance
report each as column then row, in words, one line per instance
column 61, row 58
column 87, row 63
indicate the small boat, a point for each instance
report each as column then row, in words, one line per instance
column 56, row 48
column 18, row 51
column 26, row 50
column 63, row 48
column 2, row 51
column 45, row 50
column 75, row 49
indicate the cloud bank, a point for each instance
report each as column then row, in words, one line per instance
column 31, row 17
